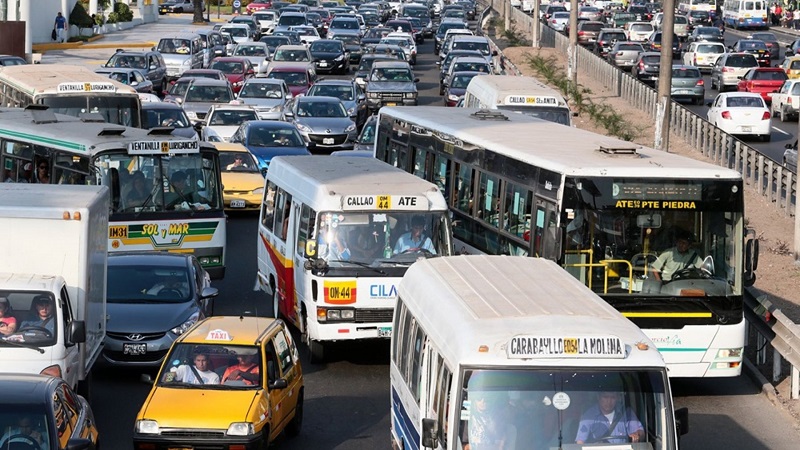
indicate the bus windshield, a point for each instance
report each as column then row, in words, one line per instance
column 552, row 408
column 160, row 184
column 551, row 114
column 637, row 226
column 116, row 109
column 383, row 239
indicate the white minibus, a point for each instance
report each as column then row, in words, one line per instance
column 515, row 353
column 335, row 236
column 525, row 95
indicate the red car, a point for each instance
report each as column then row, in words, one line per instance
column 236, row 70
column 257, row 6
column 763, row 80
column 298, row 77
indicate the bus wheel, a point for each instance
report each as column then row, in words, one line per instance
column 316, row 352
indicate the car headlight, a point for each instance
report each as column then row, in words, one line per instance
column 180, row 329
column 340, row 57
column 187, row 62
column 258, row 191
column 191, row 114
column 303, row 128
column 410, row 95
column 452, row 98
column 350, row 128
column 240, row 429
column 146, row 426
column 374, row 94
column 351, row 111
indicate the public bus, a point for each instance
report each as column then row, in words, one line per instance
column 513, row 353
column 140, row 167
column 525, row 95
column 686, row 6
column 71, row 90
column 604, row 208
column 335, row 235
column 745, row 14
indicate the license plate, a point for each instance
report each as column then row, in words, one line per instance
column 684, row 91
column 747, row 129
column 323, row 64
column 237, row 203
column 391, row 104
column 328, row 141
column 134, row 349
column 385, row 332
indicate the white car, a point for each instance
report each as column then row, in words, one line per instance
column 703, row 54
column 559, row 20
column 404, row 41
column 639, row 31
column 239, row 32
column 741, row 113
column 308, row 34
column 223, row 120
column 266, row 20
column 256, row 52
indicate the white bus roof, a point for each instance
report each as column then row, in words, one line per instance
column 465, row 302
column 555, row 147
column 75, row 135
column 46, row 78
column 323, row 182
column 509, row 85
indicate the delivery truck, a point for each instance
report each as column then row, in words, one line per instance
column 53, row 279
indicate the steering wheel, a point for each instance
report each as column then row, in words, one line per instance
column 21, row 439
column 170, row 293
column 42, row 330
column 689, row 272
column 425, row 252
column 625, row 438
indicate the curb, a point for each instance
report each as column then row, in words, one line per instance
column 42, row 48
column 761, row 382
column 120, row 45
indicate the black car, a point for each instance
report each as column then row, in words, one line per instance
column 151, row 63
column 653, row 44
column 606, row 38
column 647, row 67
column 374, row 35
column 330, row 56
column 352, row 45
column 10, row 60
column 710, row 34
column 46, row 406
column 699, row 19
column 756, row 48
column 771, row 40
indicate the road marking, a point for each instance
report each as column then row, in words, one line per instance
column 781, row 131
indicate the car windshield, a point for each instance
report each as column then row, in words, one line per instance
column 469, row 67
column 344, row 93
column 291, row 78
column 261, row 90
column 169, row 117
column 266, row 137
column 390, row 74
column 744, row 102
column 207, row 367
column 250, row 50
column 136, row 62
column 228, row 162
column 141, row 283
column 289, row 20
column 326, row 46
column 482, row 47
column 402, row 43
column 226, row 67
column 208, row 94
column 19, row 421
column 32, row 316
column 752, row 45
column 345, row 25
column 764, row 37
column 293, row 55
column 236, row 31
column 709, row 31
column 122, row 77
column 313, row 108
column 231, row 117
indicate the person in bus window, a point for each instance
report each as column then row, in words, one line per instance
column 608, row 422
column 8, row 323
column 137, row 192
column 676, row 259
column 415, row 240
column 42, row 172
column 488, row 425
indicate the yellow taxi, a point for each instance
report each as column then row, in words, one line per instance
column 232, row 383
column 242, row 182
column 791, row 66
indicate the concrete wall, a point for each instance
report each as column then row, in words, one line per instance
column 42, row 15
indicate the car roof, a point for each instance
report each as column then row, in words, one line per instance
column 471, row 59
column 209, row 82
column 27, row 388
column 185, row 35
column 318, row 99
column 292, row 47
column 116, row 69
column 235, row 25
column 290, row 66
column 393, row 63
column 148, row 259
column 335, row 82
column 231, row 59
column 269, row 124
column 241, row 330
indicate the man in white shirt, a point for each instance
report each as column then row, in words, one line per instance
column 197, row 374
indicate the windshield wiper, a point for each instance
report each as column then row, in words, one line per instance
column 359, row 264
column 23, row 345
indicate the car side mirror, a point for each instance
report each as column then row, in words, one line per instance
column 179, row 100
column 153, row 67
column 77, row 332
column 78, row 444
column 416, row 80
column 209, row 292
column 288, row 114
column 709, row 104
column 134, row 83
column 682, row 420
column 278, row 384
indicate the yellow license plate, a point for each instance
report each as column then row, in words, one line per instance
column 571, row 346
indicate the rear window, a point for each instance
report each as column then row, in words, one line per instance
column 745, row 102
column 654, row 59
column 772, row 75
column 592, row 27
column 631, row 47
column 685, row 73
column 642, row 27
column 612, row 36
column 681, row 20
column 710, row 49
column 741, row 61
column 796, row 89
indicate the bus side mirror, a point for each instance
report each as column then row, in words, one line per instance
column 750, row 257
column 430, row 429
column 76, row 333
column 682, row 420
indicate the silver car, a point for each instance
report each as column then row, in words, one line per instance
column 687, row 84
column 559, row 20
column 323, row 122
column 624, row 54
column 729, row 67
column 268, row 95
column 257, row 52
column 590, row 13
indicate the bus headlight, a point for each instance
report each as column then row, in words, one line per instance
column 335, row 315
column 240, row 429
column 729, row 353
column 146, row 426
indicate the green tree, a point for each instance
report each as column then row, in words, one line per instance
column 79, row 17
column 198, row 11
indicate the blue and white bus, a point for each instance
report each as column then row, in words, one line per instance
column 745, row 14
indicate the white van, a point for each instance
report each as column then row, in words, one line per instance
column 525, row 95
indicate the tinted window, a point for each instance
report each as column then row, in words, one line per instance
column 741, row 61
column 685, row 73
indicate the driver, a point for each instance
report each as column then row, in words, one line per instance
column 677, row 258
column 608, row 423
column 414, row 240
column 43, row 305
column 23, row 433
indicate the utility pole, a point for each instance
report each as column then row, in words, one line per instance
column 572, row 50
column 665, row 77
column 537, row 24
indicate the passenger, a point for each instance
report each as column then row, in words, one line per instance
column 27, row 173
column 488, row 425
column 43, row 306
column 676, row 258
column 21, row 435
column 246, row 370
column 607, row 423
column 338, row 248
column 137, row 192
column 238, row 163
column 8, row 323
column 366, row 246
column 198, row 373
column 183, row 49
column 415, row 240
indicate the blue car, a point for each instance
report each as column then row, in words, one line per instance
column 269, row 138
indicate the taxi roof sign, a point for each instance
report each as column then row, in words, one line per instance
column 385, row 202
column 581, row 347
column 86, row 87
column 218, row 335
column 163, row 147
column 532, row 100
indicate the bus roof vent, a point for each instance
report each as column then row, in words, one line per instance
column 160, row 131
column 41, row 115
column 630, row 151
column 92, row 117
column 112, row 131
column 488, row 114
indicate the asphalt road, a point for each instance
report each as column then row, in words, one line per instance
column 347, row 399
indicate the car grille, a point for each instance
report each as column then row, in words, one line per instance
column 149, row 357
column 145, row 336
column 338, row 139
column 203, row 434
column 390, row 97
column 374, row 315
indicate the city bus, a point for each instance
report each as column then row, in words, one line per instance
column 513, row 353
column 525, row 95
column 686, row 6
column 745, row 14
column 335, row 235
column 71, row 90
column 604, row 208
column 141, row 167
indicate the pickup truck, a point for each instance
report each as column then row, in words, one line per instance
column 786, row 101
column 391, row 83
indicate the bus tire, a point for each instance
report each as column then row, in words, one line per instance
column 316, row 352
column 296, row 424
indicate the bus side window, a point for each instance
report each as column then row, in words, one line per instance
column 282, row 210
column 443, row 392
column 268, row 207
column 306, row 231
column 463, row 185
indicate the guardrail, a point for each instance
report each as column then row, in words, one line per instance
column 770, row 326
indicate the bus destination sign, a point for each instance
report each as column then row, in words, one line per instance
column 665, row 191
column 527, row 347
column 86, row 87
column 531, row 100
column 163, row 147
